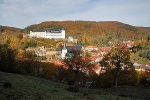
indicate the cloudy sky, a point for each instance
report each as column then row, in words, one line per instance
column 22, row 13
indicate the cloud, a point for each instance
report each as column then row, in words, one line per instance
column 22, row 13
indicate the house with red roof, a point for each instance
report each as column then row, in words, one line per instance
column 62, row 43
column 147, row 65
column 128, row 43
column 91, row 48
column 104, row 50
column 48, row 57
column 96, row 59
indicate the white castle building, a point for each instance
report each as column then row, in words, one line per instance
column 52, row 33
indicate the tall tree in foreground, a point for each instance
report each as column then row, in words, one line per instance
column 76, row 62
column 7, row 58
column 116, row 60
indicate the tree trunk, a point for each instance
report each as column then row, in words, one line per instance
column 116, row 81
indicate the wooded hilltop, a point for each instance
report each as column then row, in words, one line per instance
column 93, row 28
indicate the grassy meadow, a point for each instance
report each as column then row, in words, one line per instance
column 22, row 87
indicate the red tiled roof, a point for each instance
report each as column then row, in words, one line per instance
column 93, row 58
column 59, row 43
column 91, row 46
column 104, row 49
column 148, row 65
column 69, row 44
column 97, row 69
column 48, row 56
column 57, row 62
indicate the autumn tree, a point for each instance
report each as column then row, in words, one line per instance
column 20, row 36
column 77, row 63
column 88, row 54
column 14, row 43
column 2, row 30
column 48, row 70
column 148, row 38
column 116, row 60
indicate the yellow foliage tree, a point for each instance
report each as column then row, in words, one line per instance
column 14, row 43
column 20, row 54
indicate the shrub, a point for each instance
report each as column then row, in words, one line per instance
column 48, row 70
column 7, row 85
column 129, row 78
column 27, row 67
column 145, row 79
column 73, row 88
column 105, row 80
column 70, row 81
column 65, row 75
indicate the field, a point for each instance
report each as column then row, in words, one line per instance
column 22, row 87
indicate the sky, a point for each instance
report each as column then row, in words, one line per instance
column 23, row 13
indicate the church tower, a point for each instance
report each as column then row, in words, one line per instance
column 64, row 51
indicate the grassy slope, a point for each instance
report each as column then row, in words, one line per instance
column 34, row 88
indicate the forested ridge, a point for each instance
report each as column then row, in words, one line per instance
column 90, row 28
column 87, row 32
column 10, row 30
column 93, row 28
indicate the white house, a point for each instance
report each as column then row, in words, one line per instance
column 70, row 39
column 52, row 33
column 39, row 51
